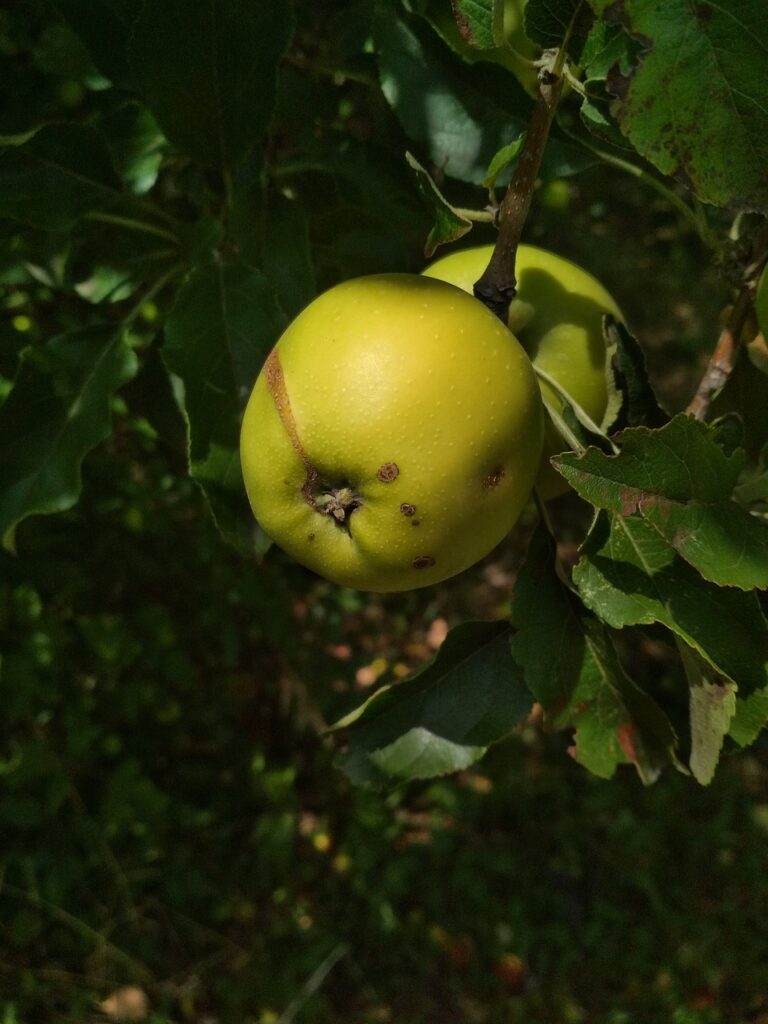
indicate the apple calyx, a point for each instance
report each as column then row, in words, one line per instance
column 339, row 502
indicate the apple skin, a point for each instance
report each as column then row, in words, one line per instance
column 557, row 315
column 407, row 396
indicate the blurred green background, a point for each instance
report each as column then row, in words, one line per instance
column 172, row 823
column 176, row 844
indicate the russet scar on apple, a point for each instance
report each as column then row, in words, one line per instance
column 276, row 385
column 338, row 502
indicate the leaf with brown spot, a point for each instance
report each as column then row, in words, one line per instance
column 629, row 575
column 694, row 101
column 681, row 481
column 712, row 704
column 480, row 22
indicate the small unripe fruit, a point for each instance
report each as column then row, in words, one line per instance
column 394, row 434
column 557, row 315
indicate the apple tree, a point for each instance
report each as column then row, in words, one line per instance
column 183, row 178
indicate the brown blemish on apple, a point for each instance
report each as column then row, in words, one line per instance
column 423, row 562
column 273, row 372
column 407, row 510
column 388, row 472
column 328, row 500
column 311, row 536
column 415, row 522
column 493, row 479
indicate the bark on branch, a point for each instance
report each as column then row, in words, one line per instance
column 497, row 287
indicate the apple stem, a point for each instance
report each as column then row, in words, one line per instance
column 498, row 284
column 723, row 359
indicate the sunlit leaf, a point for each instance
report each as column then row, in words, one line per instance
column 442, row 718
column 449, row 224
column 712, row 706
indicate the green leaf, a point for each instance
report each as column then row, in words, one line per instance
column 222, row 326
column 136, row 145
column 549, row 642
column 460, row 114
column 223, row 323
column 448, row 225
column 712, row 706
column 419, row 754
column 444, row 717
column 694, row 103
column 285, row 254
column 443, row 109
column 208, row 71
column 754, row 491
column 746, row 393
column 106, row 264
column 724, row 542
column 595, row 117
column 761, row 302
column 631, row 399
column 220, row 478
column 680, row 462
column 607, row 50
column 628, row 575
column 547, row 22
column 351, row 235
column 60, row 53
column 54, row 178
column 572, row 669
column 681, row 481
column 481, row 22
column 503, row 160
column 104, row 26
column 59, row 409
column 615, row 721
column 150, row 395
column 750, row 718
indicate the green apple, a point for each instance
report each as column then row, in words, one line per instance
column 557, row 315
column 394, row 434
